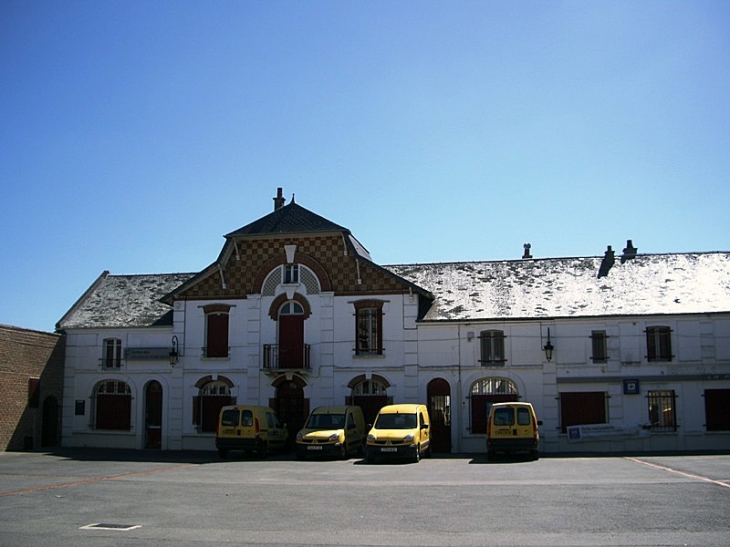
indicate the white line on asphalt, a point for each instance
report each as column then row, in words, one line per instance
column 677, row 472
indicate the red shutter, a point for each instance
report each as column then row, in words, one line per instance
column 217, row 343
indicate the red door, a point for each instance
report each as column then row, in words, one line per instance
column 153, row 415
column 291, row 341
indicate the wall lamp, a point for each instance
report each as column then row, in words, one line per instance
column 548, row 348
column 174, row 355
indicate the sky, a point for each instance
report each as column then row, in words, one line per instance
column 134, row 134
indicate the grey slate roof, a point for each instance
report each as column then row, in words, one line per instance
column 291, row 218
column 124, row 301
column 469, row 291
column 569, row 287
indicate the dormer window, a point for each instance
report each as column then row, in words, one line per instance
column 291, row 274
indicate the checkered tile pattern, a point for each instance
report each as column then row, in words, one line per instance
column 259, row 256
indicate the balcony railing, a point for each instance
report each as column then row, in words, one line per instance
column 111, row 364
column 277, row 357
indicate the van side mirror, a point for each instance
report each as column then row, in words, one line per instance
column 424, row 426
column 539, row 422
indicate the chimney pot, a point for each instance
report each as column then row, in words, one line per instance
column 279, row 199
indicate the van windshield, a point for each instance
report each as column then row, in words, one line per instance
column 326, row 421
column 396, row 421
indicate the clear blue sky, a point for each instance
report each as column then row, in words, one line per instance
column 135, row 134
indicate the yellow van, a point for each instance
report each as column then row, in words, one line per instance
column 332, row 431
column 399, row 430
column 512, row 428
column 251, row 429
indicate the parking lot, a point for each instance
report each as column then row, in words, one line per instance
column 103, row 497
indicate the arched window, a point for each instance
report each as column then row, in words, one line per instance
column 113, row 405
column 483, row 394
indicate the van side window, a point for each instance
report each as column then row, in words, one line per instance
column 523, row 416
column 351, row 421
column 503, row 416
column 270, row 420
column 421, row 420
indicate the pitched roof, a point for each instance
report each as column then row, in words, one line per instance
column 124, row 301
column 570, row 287
column 291, row 218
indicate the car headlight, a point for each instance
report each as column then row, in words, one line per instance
column 371, row 438
column 300, row 436
column 334, row 437
column 408, row 438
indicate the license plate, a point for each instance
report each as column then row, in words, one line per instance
column 314, row 447
column 503, row 432
column 389, row 449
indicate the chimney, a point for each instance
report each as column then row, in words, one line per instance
column 629, row 252
column 607, row 262
column 279, row 199
column 527, row 254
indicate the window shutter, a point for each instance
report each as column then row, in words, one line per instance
column 196, row 410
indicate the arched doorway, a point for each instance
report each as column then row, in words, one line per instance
column 153, row 415
column 439, row 410
column 49, row 426
column 483, row 394
column 290, row 404
column 370, row 395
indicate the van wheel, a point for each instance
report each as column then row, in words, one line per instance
column 343, row 452
column 535, row 455
column 370, row 457
column 222, row 453
column 263, row 451
column 491, row 455
column 417, row 455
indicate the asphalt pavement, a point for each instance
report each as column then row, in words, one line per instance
column 107, row 497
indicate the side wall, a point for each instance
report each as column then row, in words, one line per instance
column 30, row 360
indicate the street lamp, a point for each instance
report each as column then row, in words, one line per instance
column 548, row 348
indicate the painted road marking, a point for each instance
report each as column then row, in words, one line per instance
column 678, row 472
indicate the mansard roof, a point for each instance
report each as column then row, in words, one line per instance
column 288, row 219
column 115, row 301
column 570, row 287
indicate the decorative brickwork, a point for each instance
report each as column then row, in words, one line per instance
column 338, row 268
column 30, row 360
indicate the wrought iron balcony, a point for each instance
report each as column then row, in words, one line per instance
column 286, row 357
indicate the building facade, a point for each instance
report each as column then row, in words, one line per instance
column 31, row 387
column 615, row 353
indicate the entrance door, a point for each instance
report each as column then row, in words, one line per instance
column 153, row 415
column 291, row 407
column 439, row 410
column 49, row 426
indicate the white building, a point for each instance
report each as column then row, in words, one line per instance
column 294, row 314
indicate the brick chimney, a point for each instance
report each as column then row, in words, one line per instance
column 279, row 199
